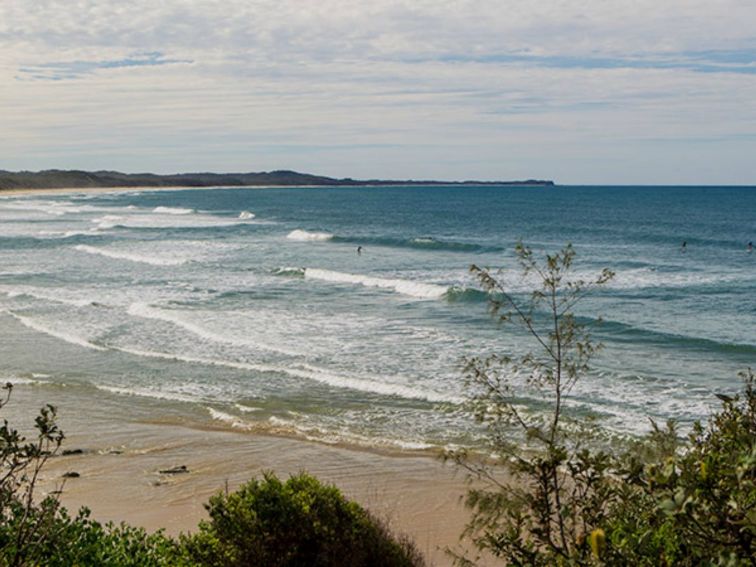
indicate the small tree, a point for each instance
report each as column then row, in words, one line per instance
column 548, row 510
column 25, row 523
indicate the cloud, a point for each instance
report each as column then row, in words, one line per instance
column 726, row 61
column 55, row 71
column 428, row 88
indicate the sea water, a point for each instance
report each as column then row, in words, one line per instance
column 252, row 309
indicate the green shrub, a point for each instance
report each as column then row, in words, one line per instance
column 82, row 541
column 565, row 501
column 697, row 507
column 300, row 522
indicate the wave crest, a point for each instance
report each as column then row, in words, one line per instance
column 419, row 290
column 172, row 211
column 307, row 236
column 130, row 256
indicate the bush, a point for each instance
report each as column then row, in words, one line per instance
column 24, row 526
column 699, row 506
column 567, row 502
column 82, row 541
column 36, row 532
column 300, row 522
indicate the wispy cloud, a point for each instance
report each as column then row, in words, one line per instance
column 729, row 61
column 404, row 88
column 59, row 70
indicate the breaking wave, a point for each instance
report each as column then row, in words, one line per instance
column 131, row 256
column 405, row 287
column 307, row 236
column 57, row 333
column 172, row 211
column 322, row 376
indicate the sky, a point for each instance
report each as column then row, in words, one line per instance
column 578, row 91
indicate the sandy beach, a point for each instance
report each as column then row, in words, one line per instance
column 120, row 479
column 121, row 459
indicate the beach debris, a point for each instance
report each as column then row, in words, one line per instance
column 67, row 452
column 175, row 470
column 71, row 474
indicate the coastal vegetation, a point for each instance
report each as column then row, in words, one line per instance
column 59, row 179
column 553, row 493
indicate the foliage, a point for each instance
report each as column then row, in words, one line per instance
column 80, row 540
column 699, row 506
column 298, row 522
column 543, row 513
column 21, row 461
column 564, row 501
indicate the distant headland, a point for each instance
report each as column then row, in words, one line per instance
column 70, row 179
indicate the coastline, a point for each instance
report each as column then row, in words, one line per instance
column 75, row 190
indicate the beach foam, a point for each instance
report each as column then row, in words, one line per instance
column 307, row 236
column 172, row 211
column 189, row 322
column 53, row 332
column 131, row 256
column 308, row 372
column 419, row 290
column 45, row 295
column 229, row 419
column 148, row 393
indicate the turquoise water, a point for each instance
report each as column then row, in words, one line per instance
column 251, row 309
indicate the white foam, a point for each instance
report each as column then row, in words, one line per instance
column 172, row 211
column 163, row 219
column 231, row 420
column 246, row 215
column 383, row 387
column 21, row 381
column 146, row 393
column 184, row 321
column 37, row 293
column 405, row 287
column 131, row 256
column 647, row 277
column 246, row 409
column 309, row 373
column 307, row 236
column 108, row 221
column 289, row 271
column 58, row 334
column 323, row 435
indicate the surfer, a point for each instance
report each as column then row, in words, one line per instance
column 750, row 247
column 684, row 246
column 359, row 250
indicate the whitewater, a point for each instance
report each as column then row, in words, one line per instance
column 254, row 310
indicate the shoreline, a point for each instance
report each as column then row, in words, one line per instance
column 120, row 480
column 129, row 189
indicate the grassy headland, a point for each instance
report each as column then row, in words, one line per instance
column 70, row 179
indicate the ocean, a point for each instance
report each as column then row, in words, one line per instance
column 250, row 309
